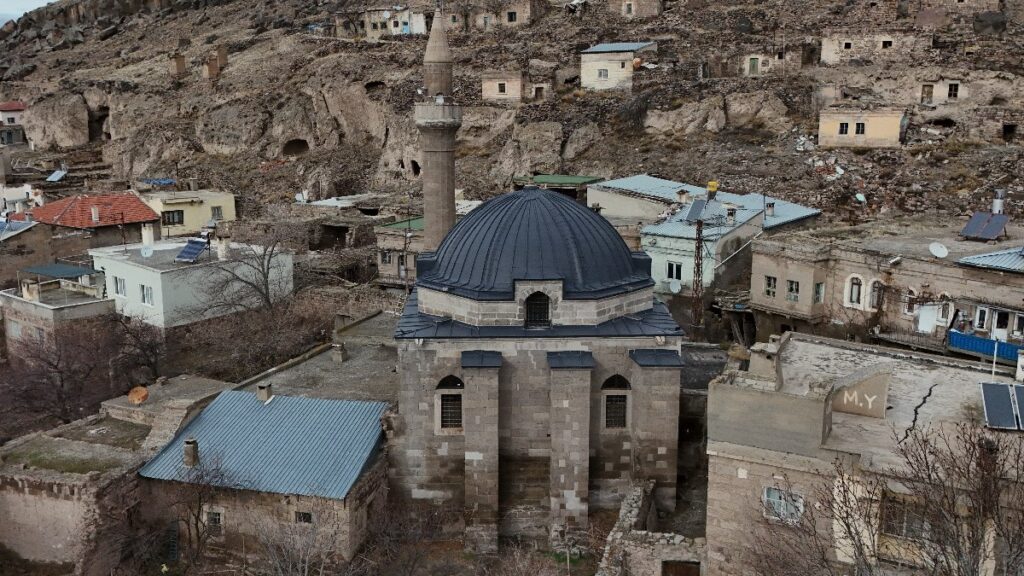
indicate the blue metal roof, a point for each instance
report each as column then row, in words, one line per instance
column 656, row 358
column 654, row 322
column 158, row 181
column 58, row 270
column 289, row 445
column 646, row 185
column 617, row 47
column 8, row 229
column 1011, row 260
column 574, row 359
column 683, row 224
column 481, row 359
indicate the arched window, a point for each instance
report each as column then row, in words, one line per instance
column 616, row 402
column 853, row 294
column 911, row 301
column 538, row 310
column 449, row 403
column 877, row 295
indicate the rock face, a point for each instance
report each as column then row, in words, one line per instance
column 533, row 148
column 757, row 110
column 58, row 122
column 706, row 115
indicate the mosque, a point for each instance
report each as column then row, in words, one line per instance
column 539, row 375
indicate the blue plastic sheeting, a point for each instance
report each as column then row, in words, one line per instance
column 159, row 181
column 289, row 445
column 57, row 176
column 617, row 47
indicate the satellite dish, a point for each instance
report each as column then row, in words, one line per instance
column 138, row 395
column 675, row 286
column 386, row 14
column 938, row 249
column 861, row 198
column 146, row 251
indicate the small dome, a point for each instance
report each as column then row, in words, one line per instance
column 533, row 234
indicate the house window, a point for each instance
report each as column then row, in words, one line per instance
column 981, row 319
column 847, row 45
column 538, row 310
column 675, row 271
column 860, row 128
column 629, row 8
column 819, row 292
column 501, row 88
column 877, row 295
column 173, row 217
column 853, row 294
column 770, row 283
column 782, row 505
column 792, row 291
column 450, row 403
column 512, row 16
column 394, row 23
column 844, row 128
column 119, row 286
column 903, row 519
column 147, row 294
column 954, row 91
column 622, row 65
column 385, row 257
column 214, row 523
column 602, row 73
column 10, row 119
column 303, row 517
column 926, row 93
column 217, row 212
column 911, row 301
column 616, row 402
column 886, row 44
column 455, row 19
column 374, row 25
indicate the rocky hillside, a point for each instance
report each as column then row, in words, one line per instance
column 295, row 110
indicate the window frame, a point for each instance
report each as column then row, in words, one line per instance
column 771, row 286
column 819, row 293
column 844, row 128
column 792, row 290
column 953, row 91
column 854, row 280
column 982, row 318
column 628, row 8
column 786, row 500
column 217, row 213
column 120, row 286
column 904, row 507
column 533, row 305
column 674, row 270
column 511, row 17
column 301, row 517
column 886, row 44
column 385, row 257
column 447, row 388
column 910, row 307
column 602, row 73
column 860, row 128
column 146, row 295
column 211, row 513
column 172, row 218
column 502, row 88
column 621, row 399
column 873, row 303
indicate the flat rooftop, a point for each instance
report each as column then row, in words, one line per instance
column 184, row 195
column 99, row 444
column 909, row 237
column 162, row 257
column 183, row 390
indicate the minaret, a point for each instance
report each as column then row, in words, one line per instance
column 438, row 119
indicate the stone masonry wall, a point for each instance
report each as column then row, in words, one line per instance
column 44, row 520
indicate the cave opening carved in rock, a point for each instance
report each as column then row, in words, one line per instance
column 99, row 128
column 296, row 147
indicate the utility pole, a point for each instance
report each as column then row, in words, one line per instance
column 697, row 305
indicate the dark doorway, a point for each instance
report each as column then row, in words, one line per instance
column 296, row 147
column 677, row 568
column 1009, row 132
column 538, row 93
column 98, row 128
column 415, row 168
column 785, row 328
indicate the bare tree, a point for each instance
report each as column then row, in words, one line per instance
column 959, row 508
column 142, row 346
column 302, row 548
column 191, row 501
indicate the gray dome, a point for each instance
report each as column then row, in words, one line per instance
column 533, row 234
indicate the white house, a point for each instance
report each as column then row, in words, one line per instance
column 177, row 282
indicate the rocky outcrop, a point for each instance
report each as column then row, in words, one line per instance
column 533, row 148
column 756, row 110
column 59, row 122
column 762, row 110
column 706, row 115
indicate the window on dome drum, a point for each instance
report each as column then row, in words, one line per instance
column 538, row 310
column 616, row 402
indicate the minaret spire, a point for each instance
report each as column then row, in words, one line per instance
column 438, row 119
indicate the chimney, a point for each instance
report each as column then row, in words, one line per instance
column 147, row 235
column 95, row 213
column 264, row 392
column 712, row 190
column 223, row 246
column 682, row 197
column 769, row 209
column 997, row 202
column 190, row 457
column 1020, row 365
column 30, row 290
column 19, row 207
column 730, row 215
column 193, row 183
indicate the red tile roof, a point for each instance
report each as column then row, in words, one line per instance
column 12, row 106
column 76, row 212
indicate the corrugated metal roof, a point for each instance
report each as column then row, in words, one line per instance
column 1011, row 260
column 681, row 224
column 12, row 228
column 412, row 224
column 290, row 445
column 617, row 47
column 656, row 358
column 481, row 359
column 572, row 359
column 648, row 186
column 58, row 270
column 654, row 322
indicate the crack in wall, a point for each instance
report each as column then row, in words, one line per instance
column 913, row 423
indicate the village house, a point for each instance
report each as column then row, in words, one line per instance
column 849, row 126
column 399, row 243
column 276, row 461
column 920, row 283
column 11, row 116
column 610, row 66
column 174, row 283
column 381, row 21
column 635, row 8
column 819, row 401
column 70, row 495
column 515, row 87
column 514, row 13
column 48, row 297
column 186, row 212
column 862, row 47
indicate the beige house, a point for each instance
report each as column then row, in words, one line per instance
column 611, row 66
column 779, row 420
column 512, row 14
column 397, row 246
column 504, row 86
column 380, row 21
column 186, row 212
column 635, row 8
column 856, row 127
column 840, row 47
column 887, row 280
